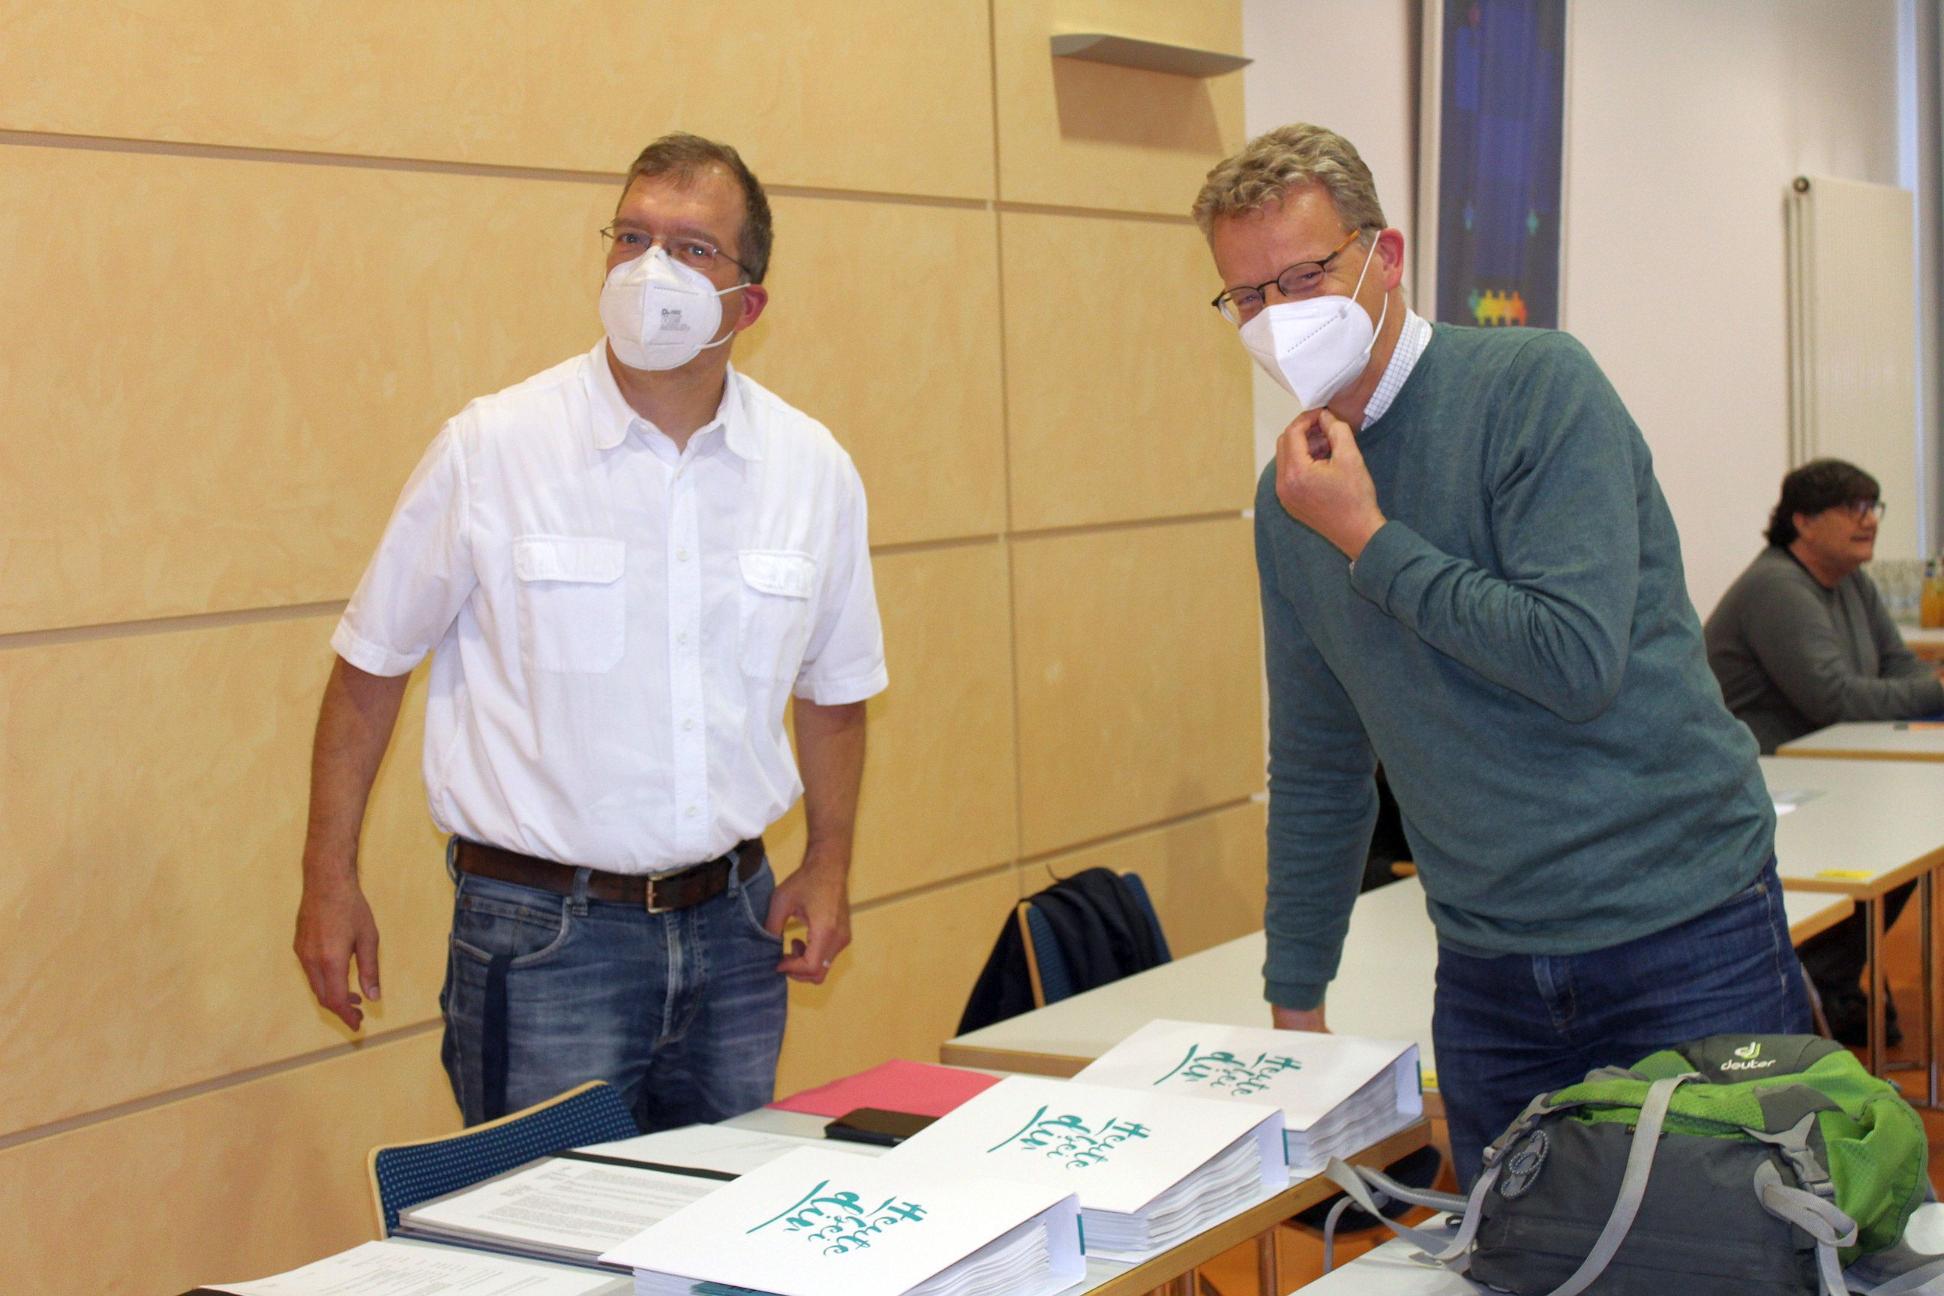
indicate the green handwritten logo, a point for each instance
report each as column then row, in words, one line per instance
column 1083, row 1143
column 1225, row 1071
column 839, row 1219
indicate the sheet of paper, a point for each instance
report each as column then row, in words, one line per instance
column 567, row 1205
column 1308, row 1074
column 823, row 1223
column 722, row 1148
column 897, row 1085
column 399, row 1268
column 1117, row 1148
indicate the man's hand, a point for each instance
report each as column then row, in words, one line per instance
column 1303, row 1019
column 818, row 896
column 335, row 926
column 1323, row 483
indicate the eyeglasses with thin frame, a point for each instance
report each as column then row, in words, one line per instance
column 1865, row 508
column 685, row 249
column 1238, row 304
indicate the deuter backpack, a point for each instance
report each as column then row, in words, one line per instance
column 1738, row 1165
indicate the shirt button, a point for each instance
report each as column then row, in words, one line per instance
column 681, row 555
column 682, row 639
column 689, row 813
column 687, row 725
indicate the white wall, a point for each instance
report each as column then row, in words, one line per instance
column 1686, row 119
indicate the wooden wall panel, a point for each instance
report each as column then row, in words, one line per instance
column 1084, row 134
column 879, row 95
column 219, row 373
column 1139, row 676
column 1205, row 873
column 152, row 801
column 239, row 1183
column 901, row 987
column 939, row 777
column 1127, row 396
column 884, row 324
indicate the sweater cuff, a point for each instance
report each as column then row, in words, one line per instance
column 1383, row 557
column 1303, row 996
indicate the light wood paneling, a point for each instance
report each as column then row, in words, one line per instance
column 902, row 985
column 1127, row 397
column 1139, row 676
column 219, row 373
column 865, row 94
column 233, row 1184
column 938, row 775
column 152, row 802
column 1084, row 134
column 884, row 324
column 1205, row 874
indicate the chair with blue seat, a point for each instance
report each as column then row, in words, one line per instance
column 405, row 1174
column 1047, row 970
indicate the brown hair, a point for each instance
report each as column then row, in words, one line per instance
column 1277, row 161
column 685, row 156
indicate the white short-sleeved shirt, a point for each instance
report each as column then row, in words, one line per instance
column 617, row 626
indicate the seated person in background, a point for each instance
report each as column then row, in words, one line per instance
column 1802, row 640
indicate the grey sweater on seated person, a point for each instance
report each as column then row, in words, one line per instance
column 1793, row 655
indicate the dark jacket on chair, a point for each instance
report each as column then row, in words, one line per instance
column 1103, row 932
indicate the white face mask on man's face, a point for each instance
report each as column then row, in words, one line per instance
column 1316, row 346
column 660, row 315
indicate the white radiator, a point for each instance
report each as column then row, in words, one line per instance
column 1853, row 341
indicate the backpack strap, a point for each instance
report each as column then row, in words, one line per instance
column 1925, row 1281
column 1357, row 1184
column 1814, row 1215
column 1633, row 1185
column 1793, row 1144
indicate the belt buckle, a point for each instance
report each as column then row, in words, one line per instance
column 648, row 895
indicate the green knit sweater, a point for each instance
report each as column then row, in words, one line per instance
column 1517, row 646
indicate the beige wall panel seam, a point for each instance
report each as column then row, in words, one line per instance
column 1134, row 830
column 1111, row 213
column 942, row 884
column 489, row 170
column 1125, row 524
column 168, row 625
column 217, row 1084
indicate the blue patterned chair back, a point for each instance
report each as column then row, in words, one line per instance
column 1138, row 889
column 405, row 1174
column 1056, row 976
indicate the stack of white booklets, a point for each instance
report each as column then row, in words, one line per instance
column 1149, row 1168
column 823, row 1223
column 1338, row 1093
column 574, row 1206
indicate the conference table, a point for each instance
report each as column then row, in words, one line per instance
column 1847, row 833
column 1871, row 740
column 1862, row 827
column 1926, row 643
column 1383, row 989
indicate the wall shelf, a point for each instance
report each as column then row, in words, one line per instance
column 1151, row 56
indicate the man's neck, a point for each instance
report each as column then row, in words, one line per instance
column 1350, row 403
column 679, row 402
column 1826, row 576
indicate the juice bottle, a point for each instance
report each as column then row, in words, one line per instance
column 1930, row 608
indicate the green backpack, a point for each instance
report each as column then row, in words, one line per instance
column 1737, row 1164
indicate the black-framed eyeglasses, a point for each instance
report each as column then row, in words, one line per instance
column 1238, row 304
column 1865, row 508
column 685, row 249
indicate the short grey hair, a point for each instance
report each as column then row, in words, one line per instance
column 1275, row 162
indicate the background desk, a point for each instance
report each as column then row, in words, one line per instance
column 1928, row 644
column 1383, row 989
column 1862, row 828
column 1871, row 740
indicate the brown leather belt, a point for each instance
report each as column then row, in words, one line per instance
column 664, row 893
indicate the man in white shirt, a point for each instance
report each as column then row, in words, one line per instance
column 624, row 566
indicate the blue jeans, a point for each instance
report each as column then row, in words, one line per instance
column 1508, row 1028
column 682, row 1012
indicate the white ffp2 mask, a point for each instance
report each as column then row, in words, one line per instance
column 660, row 315
column 1316, row 346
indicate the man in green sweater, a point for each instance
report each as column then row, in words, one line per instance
column 1469, row 572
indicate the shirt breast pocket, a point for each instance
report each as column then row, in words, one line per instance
column 572, row 603
column 776, row 588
